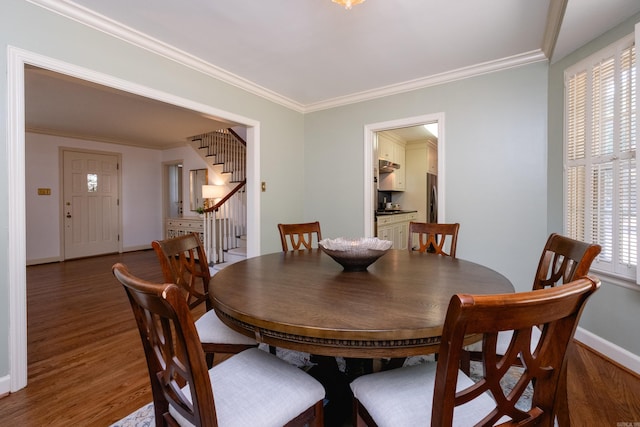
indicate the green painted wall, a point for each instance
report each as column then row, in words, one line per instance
column 34, row 29
column 495, row 171
column 500, row 185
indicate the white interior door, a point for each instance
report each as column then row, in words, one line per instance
column 91, row 215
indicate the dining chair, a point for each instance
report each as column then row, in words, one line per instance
column 300, row 236
column 184, row 262
column 443, row 394
column 563, row 259
column 434, row 238
column 249, row 388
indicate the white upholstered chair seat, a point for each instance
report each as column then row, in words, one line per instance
column 403, row 397
column 255, row 388
column 212, row 330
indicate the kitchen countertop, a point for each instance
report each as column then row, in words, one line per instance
column 393, row 212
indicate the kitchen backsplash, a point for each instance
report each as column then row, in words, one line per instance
column 382, row 196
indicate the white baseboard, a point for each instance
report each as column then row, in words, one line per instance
column 43, row 260
column 5, row 385
column 136, row 248
column 618, row 354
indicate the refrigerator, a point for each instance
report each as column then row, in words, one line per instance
column 432, row 197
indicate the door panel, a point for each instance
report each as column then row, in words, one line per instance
column 91, row 215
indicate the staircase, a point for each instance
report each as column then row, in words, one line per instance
column 225, row 223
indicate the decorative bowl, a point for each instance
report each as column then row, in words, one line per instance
column 355, row 254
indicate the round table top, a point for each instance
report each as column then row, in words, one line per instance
column 303, row 300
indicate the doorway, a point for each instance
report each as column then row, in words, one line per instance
column 371, row 159
column 415, row 151
column 173, row 201
column 17, row 60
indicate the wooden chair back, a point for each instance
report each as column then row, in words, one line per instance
column 184, row 262
column 172, row 349
column 300, row 236
column 556, row 310
column 434, row 237
column 563, row 259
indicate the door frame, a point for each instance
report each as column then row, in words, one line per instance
column 166, row 165
column 17, row 59
column 370, row 131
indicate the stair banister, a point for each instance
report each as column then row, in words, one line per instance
column 226, row 220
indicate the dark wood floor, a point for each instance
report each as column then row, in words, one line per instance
column 87, row 368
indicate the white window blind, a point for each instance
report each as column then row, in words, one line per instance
column 600, row 156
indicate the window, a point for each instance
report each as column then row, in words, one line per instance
column 600, row 156
column 92, row 182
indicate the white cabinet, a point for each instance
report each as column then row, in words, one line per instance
column 395, row 228
column 385, row 232
column 180, row 226
column 389, row 149
column 394, row 181
column 385, row 149
column 432, row 159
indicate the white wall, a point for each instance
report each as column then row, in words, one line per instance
column 190, row 161
column 141, row 194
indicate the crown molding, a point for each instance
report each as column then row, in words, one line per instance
column 555, row 16
column 113, row 28
column 434, row 80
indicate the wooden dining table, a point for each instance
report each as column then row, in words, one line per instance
column 303, row 300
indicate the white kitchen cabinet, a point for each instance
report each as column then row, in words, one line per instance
column 400, row 235
column 385, row 232
column 400, row 175
column 395, row 228
column 396, row 180
column 391, row 150
column 399, row 153
column 386, row 149
column 432, row 159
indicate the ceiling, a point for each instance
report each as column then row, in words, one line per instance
column 307, row 55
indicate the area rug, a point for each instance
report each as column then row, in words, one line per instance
column 144, row 417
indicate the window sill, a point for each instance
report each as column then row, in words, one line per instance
column 615, row 280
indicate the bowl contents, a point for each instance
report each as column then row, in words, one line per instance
column 355, row 254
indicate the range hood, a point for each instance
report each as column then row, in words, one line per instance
column 387, row 166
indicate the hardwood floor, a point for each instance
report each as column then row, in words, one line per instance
column 87, row 367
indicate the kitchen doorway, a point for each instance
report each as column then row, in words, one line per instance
column 371, row 175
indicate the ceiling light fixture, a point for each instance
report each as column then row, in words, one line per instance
column 348, row 3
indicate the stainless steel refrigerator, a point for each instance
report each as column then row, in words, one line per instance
column 432, row 198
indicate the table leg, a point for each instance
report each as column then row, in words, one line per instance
column 337, row 409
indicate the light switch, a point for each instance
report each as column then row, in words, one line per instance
column 44, row 191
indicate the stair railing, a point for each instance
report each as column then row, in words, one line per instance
column 224, row 223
